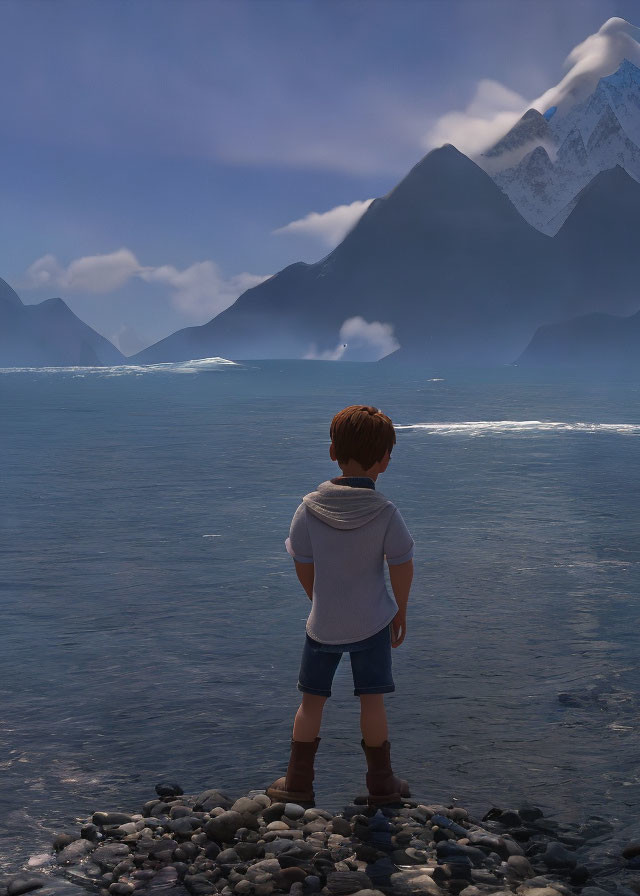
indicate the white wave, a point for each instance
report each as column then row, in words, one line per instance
column 194, row 366
column 516, row 427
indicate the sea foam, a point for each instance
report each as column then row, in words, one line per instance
column 517, row 427
column 195, row 366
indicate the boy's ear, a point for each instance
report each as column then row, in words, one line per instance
column 332, row 452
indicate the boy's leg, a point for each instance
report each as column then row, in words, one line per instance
column 309, row 717
column 373, row 719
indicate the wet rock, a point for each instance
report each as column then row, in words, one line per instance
column 109, row 855
column 75, row 852
column 557, row 856
column 273, row 812
column 223, row 827
column 121, row 888
column 344, row 882
column 244, row 804
column 168, row 788
column 520, row 866
column 414, row 883
column 293, row 810
column 105, row 819
column 285, row 879
column 23, row 884
column 212, row 799
column 62, row 840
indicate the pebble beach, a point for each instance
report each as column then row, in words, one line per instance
column 211, row 843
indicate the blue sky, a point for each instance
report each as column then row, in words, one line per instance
column 151, row 151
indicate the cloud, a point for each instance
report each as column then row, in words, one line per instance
column 360, row 341
column 200, row 291
column 93, row 273
column 330, row 227
column 494, row 108
column 596, row 57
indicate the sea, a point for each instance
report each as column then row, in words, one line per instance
column 152, row 621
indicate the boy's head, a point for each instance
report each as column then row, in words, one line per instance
column 363, row 434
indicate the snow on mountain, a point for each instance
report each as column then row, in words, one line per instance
column 544, row 161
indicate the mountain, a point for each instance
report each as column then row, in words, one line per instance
column 48, row 335
column 594, row 135
column 444, row 257
column 594, row 341
column 596, row 250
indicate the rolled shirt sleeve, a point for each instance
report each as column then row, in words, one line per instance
column 398, row 543
column 298, row 544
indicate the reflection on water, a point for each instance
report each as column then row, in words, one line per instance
column 153, row 623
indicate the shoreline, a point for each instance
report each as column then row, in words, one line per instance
column 210, row 843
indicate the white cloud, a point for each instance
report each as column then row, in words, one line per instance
column 495, row 108
column 596, row 57
column 367, row 341
column 93, row 273
column 330, row 227
column 200, row 291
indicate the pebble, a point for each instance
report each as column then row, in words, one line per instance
column 213, row 844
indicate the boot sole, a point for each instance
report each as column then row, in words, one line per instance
column 286, row 796
column 385, row 800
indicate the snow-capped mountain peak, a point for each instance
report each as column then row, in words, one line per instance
column 601, row 131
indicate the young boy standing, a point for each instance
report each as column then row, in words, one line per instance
column 339, row 538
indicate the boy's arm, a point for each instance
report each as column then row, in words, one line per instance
column 305, row 572
column 401, row 576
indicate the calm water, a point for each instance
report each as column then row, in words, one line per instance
column 153, row 624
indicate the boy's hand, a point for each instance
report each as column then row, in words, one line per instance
column 398, row 629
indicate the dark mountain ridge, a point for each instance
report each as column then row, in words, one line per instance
column 49, row 335
column 445, row 257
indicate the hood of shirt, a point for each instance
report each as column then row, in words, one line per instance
column 343, row 506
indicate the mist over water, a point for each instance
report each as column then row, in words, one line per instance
column 153, row 623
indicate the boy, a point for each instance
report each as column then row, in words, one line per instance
column 338, row 539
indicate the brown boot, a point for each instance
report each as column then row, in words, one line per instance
column 296, row 786
column 382, row 784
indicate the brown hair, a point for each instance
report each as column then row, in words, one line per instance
column 362, row 433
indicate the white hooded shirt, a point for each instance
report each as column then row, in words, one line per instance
column 346, row 531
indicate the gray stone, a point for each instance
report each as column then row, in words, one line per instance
column 557, row 856
column 121, row 888
column 109, row 855
column 227, row 857
column 75, row 852
column 62, row 840
column 223, row 827
column 212, row 799
column 414, row 883
column 168, row 788
column 344, row 882
column 24, row 884
column 265, row 866
column 524, row 890
column 244, row 804
column 293, row 810
column 520, row 866
column 184, row 826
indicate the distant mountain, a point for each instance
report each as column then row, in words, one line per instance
column 594, row 135
column 444, row 257
column 48, row 334
column 593, row 341
column 447, row 261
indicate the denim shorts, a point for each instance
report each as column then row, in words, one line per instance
column 370, row 665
